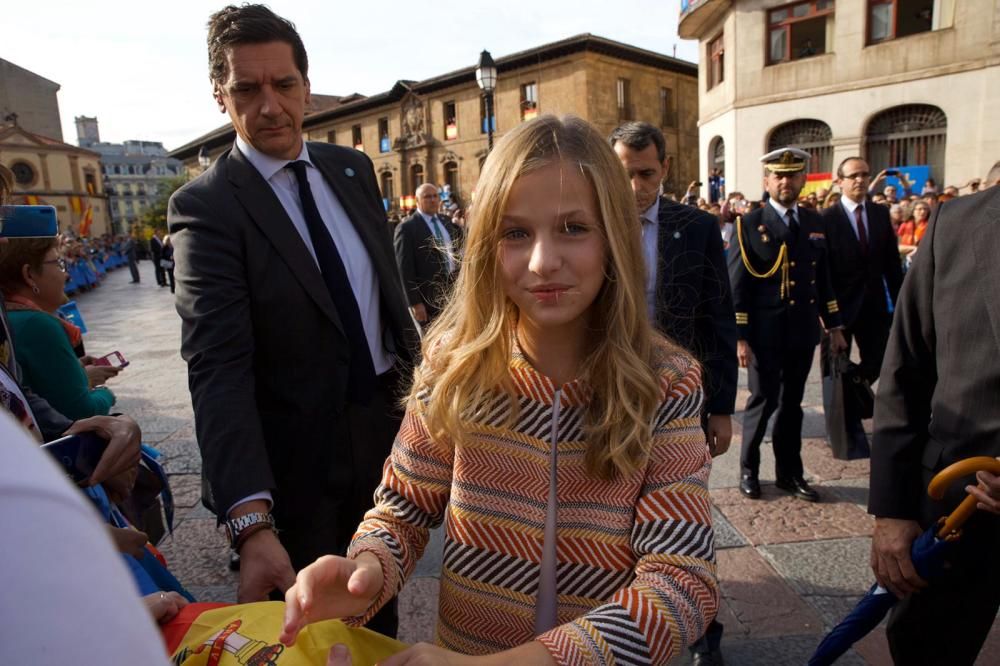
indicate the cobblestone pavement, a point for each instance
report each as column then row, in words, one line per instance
column 789, row 569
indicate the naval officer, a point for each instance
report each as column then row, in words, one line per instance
column 781, row 289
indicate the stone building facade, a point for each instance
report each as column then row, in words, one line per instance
column 904, row 83
column 50, row 172
column 435, row 130
column 133, row 172
column 29, row 101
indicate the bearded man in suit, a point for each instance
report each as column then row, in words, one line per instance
column 295, row 329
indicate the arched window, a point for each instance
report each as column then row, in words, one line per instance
column 388, row 190
column 416, row 177
column 909, row 135
column 451, row 176
column 717, row 155
column 812, row 136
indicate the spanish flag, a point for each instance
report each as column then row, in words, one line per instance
column 205, row 634
column 86, row 221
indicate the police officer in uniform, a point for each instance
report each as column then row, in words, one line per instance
column 781, row 289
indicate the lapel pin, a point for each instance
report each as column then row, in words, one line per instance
column 677, row 234
column 350, row 172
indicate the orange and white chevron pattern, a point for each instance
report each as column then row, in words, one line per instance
column 636, row 561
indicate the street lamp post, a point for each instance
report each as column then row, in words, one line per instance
column 486, row 77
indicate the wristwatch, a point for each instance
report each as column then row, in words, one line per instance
column 239, row 528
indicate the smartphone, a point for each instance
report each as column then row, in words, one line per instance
column 891, row 172
column 78, row 454
column 28, row 222
column 115, row 359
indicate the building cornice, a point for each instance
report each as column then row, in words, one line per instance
column 582, row 43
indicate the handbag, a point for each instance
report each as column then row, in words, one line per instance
column 167, row 264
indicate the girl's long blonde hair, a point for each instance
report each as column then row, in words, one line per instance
column 468, row 348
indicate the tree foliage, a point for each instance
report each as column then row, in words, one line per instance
column 155, row 216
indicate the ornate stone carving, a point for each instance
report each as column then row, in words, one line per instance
column 416, row 131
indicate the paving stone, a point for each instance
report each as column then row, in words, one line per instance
column 780, row 518
column 182, row 452
column 186, row 489
column 778, row 651
column 224, row 594
column 198, row 554
column 821, row 465
column 761, row 603
column 832, row 575
column 854, row 491
column 418, row 610
column 726, row 536
column 430, row 563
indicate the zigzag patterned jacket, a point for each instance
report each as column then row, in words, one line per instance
column 635, row 576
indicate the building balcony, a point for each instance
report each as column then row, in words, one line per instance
column 698, row 15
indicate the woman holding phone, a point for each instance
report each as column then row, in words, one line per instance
column 551, row 429
column 32, row 278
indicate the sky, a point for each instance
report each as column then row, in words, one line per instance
column 141, row 66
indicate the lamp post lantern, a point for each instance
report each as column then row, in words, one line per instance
column 486, row 77
column 204, row 159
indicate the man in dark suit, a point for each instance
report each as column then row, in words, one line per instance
column 687, row 293
column 865, row 268
column 426, row 245
column 781, row 289
column 295, row 329
column 939, row 402
column 156, row 253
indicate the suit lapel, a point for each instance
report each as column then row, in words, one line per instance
column 266, row 211
column 986, row 246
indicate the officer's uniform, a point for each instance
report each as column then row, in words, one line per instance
column 781, row 288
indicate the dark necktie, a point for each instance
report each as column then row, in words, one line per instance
column 361, row 372
column 862, row 234
column 793, row 224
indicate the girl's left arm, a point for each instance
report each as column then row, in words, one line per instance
column 675, row 593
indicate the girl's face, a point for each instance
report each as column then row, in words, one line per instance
column 552, row 251
column 921, row 212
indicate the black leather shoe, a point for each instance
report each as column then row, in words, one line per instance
column 799, row 488
column 749, row 486
column 713, row 658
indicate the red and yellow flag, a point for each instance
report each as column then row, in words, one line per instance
column 87, row 221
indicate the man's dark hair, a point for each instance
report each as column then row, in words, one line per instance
column 249, row 24
column 638, row 135
column 840, row 167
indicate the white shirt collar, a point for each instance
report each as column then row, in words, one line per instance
column 782, row 211
column 849, row 204
column 266, row 165
column 652, row 214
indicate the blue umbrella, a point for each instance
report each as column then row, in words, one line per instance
column 928, row 554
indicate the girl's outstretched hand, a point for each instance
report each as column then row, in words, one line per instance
column 332, row 587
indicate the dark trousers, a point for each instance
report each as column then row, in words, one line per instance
column 948, row 621
column 133, row 268
column 777, row 383
column 366, row 440
column 170, row 274
column 158, row 272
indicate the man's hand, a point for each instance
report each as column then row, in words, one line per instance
column 124, row 441
column 987, row 492
column 331, row 587
column 890, row 561
column 838, row 342
column 264, row 566
column 720, row 433
column 743, row 353
column 419, row 313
